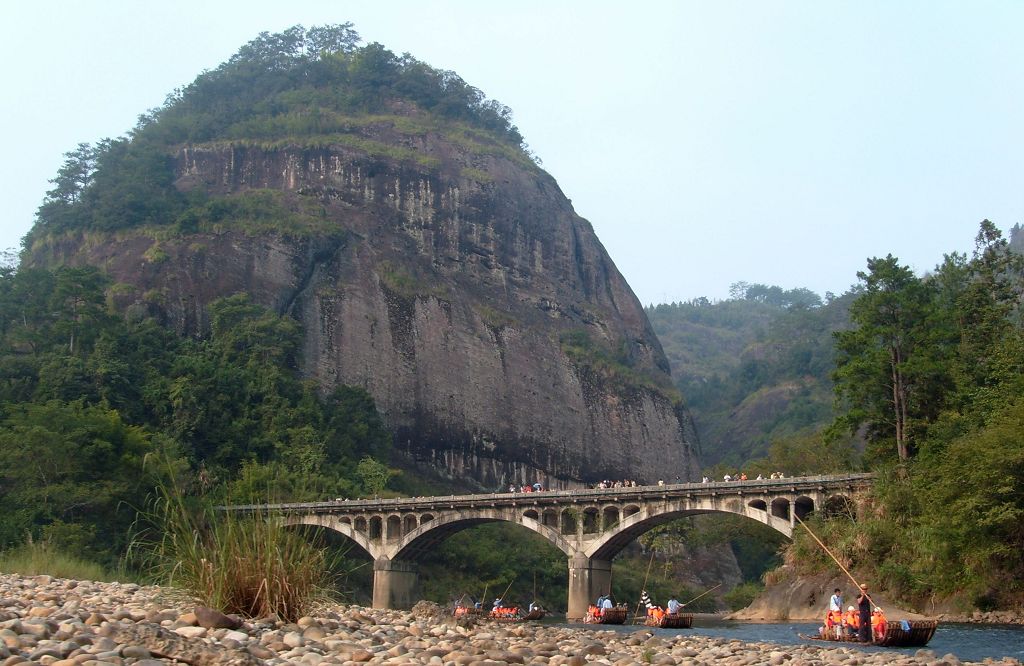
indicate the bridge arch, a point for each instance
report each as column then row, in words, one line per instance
column 429, row 534
column 632, row 527
column 343, row 527
column 839, row 505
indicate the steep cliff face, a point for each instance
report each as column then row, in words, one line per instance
column 448, row 277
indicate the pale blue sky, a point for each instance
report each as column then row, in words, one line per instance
column 707, row 142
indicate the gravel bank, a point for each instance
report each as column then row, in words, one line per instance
column 65, row 623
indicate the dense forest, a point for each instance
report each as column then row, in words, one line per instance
column 917, row 378
column 754, row 368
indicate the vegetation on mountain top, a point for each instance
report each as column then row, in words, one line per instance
column 300, row 87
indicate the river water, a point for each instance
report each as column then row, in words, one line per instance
column 970, row 642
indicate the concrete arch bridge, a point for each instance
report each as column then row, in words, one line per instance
column 589, row 526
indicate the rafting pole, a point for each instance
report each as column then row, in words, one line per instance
column 636, row 613
column 502, row 597
column 702, row 594
column 834, row 558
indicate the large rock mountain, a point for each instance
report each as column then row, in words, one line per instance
column 440, row 270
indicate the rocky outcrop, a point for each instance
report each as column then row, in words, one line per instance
column 449, row 277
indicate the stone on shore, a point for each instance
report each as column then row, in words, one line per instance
column 58, row 622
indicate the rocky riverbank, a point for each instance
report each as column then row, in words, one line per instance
column 61, row 622
column 984, row 617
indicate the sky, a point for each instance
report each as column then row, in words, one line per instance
column 708, row 143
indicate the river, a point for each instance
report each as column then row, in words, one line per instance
column 970, row 642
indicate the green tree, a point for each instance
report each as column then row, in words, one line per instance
column 883, row 364
column 78, row 303
column 70, row 463
column 374, row 475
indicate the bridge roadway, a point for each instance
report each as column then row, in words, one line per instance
column 590, row 526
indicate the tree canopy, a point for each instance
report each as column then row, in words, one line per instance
column 86, row 397
column 297, row 85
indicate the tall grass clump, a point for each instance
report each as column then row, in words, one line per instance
column 35, row 558
column 244, row 563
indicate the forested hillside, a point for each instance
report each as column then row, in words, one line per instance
column 931, row 372
column 753, row 368
column 92, row 401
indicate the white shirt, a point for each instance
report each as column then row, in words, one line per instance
column 835, row 603
column 607, row 603
column 673, row 606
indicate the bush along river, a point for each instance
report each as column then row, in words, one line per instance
column 969, row 642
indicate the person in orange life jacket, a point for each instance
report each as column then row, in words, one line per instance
column 850, row 621
column 878, row 625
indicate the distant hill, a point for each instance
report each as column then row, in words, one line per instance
column 754, row 367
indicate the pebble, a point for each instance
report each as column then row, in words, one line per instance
column 57, row 622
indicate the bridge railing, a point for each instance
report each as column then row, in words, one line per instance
column 556, row 497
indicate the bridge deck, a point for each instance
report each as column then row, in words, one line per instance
column 561, row 497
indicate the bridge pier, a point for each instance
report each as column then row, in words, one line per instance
column 588, row 579
column 394, row 583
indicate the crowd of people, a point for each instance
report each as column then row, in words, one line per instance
column 742, row 476
column 858, row 622
column 630, row 483
column 607, row 483
column 526, row 488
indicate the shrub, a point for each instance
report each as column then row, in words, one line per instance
column 250, row 564
column 742, row 595
column 41, row 557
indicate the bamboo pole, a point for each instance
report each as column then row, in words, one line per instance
column 502, row 597
column 702, row 594
column 636, row 613
column 834, row 558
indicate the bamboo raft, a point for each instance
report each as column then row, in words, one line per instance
column 513, row 614
column 667, row 621
column 616, row 615
column 469, row 612
column 916, row 634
